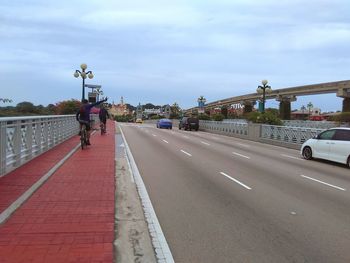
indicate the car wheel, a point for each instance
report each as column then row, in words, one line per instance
column 307, row 153
column 179, row 128
column 171, row 128
column 348, row 162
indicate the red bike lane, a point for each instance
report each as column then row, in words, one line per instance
column 71, row 217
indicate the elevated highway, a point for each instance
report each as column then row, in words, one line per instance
column 286, row 95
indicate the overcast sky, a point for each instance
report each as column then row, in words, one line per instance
column 163, row 51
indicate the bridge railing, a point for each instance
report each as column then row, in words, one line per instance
column 23, row 138
column 311, row 124
column 239, row 129
column 286, row 136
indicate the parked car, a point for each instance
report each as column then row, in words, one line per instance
column 138, row 120
column 164, row 123
column 332, row 144
column 189, row 123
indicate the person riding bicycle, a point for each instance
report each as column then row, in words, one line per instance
column 83, row 115
column 103, row 116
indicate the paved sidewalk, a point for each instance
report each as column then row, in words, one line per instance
column 71, row 217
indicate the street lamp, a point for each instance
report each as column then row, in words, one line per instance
column 263, row 89
column 201, row 101
column 83, row 74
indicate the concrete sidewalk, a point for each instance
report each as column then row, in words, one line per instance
column 71, row 217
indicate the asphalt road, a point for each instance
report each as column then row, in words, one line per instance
column 223, row 199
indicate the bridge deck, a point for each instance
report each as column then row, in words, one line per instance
column 70, row 218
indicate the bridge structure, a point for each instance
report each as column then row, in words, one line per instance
column 58, row 203
column 285, row 96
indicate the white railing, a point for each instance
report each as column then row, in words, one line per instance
column 23, row 138
column 233, row 128
column 310, row 124
column 294, row 135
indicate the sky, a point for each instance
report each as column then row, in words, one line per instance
column 161, row 52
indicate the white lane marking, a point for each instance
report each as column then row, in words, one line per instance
column 244, row 145
column 154, row 135
column 292, row 157
column 186, row 153
column 165, row 141
column 185, row 136
column 235, row 180
column 321, row 182
column 247, row 157
column 205, row 143
column 156, row 233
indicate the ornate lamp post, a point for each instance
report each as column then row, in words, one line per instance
column 264, row 89
column 83, row 75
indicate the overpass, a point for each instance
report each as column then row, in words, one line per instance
column 286, row 95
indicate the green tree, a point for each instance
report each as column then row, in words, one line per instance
column 25, row 108
column 67, row 107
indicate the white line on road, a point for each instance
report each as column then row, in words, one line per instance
column 292, row 157
column 337, row 187
column 244, row 145
column 186, row 153
column 247, row 157
column 205, row 143
column 154, row 135
column 165, row 141
column 235, row 180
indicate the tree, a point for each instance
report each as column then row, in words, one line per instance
column 25, row 107
column 310, row 106
column 67, row 107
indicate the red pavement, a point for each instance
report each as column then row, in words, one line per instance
column 71, row 217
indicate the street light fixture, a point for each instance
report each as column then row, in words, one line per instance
column 83, row 74
column 264, row 89
column 201, row 102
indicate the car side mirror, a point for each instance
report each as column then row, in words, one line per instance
column 317, row 136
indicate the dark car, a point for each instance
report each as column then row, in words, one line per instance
column 164, row 123
column 189, row 123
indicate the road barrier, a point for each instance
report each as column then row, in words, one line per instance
column 286, row 136
column 24, row 138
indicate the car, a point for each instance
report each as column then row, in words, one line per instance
column 332, row 144
column 138, row 120
column 164, row 123
column 189, row 123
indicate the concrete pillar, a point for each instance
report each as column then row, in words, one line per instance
column 345, row 94
column 285, row 106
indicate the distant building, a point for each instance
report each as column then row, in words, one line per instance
column 119, row 109
column 313, row 114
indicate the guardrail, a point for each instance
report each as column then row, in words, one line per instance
column 23, row 138
column 239, row 129
column 286, row 136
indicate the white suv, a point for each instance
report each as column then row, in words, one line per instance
column 332, row 144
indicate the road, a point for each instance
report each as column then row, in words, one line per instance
column 223, row 199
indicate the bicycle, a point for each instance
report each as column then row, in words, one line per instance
column 83, row 134
column 103, row 128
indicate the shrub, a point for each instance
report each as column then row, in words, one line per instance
column 203, row 116
column 267, row 118
column 342, row 117
column 218, row 117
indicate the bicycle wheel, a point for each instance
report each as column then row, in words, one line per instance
column 83, row 137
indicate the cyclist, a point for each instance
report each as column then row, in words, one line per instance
column 83, row 115
column 103, row 117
